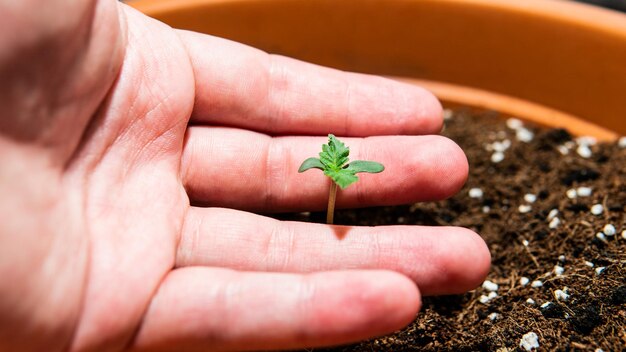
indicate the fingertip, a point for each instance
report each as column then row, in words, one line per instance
column 373, row 303
column 406, row 302
column 429, row 112
column 419, row 111
column 479, row 259
column 455, row 165
column 441, row 165
column 384, row 106
column 398, row 298
column 465, row 265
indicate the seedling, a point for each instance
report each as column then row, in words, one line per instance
column 333, row 161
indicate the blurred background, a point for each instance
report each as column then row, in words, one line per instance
column 611, row 4
column 619, row 5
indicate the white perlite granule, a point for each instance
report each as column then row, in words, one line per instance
column 497, row 157
column 561, row 295
column 524, row 135
column 475, row 192
column 500, row 146
column 554, row 223
column 530, row 198
column 597, row 209
column 524, row 208
column 571, row 193
column 529, row 341
column 586, row 140
column 524, row 281
column 553, row 213
column 584, row 151
column 609, row 230
column 584, row 191
column 514, row 123
column 558, row 270
column 490, row 286
column 484, row 299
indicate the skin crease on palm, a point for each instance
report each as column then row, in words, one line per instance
column 134, row 155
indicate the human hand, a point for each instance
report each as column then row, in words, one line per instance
column 113, row 124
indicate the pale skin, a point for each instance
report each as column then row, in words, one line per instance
column 133, row 157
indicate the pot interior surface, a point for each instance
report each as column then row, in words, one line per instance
column 555, row 62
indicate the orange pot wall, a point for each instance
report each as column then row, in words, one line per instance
column 539, row 59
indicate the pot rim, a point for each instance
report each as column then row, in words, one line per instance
column 581, row 96
column 582, row 14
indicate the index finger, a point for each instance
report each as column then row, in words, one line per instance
column 240, row 86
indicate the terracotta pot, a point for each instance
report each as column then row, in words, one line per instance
column 555, row 62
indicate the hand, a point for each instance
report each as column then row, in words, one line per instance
column 113, row 124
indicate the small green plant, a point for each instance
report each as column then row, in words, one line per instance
column 333, row 161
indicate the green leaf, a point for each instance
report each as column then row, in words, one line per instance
column 333, row 160
column 311, row 163
column 342, row 177
column 366, row 166
column 334, row 155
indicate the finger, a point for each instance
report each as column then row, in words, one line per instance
column 244, row 87
column 245, row 170
column 441, row 260
column 199, row 309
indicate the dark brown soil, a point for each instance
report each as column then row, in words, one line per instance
column 523, row 244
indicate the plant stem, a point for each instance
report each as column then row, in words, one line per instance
column 331, row 203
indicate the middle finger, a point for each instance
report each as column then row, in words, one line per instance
column 228, row 167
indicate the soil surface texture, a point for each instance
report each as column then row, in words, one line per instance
column 551, row 208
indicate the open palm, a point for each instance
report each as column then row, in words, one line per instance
column 134, row 172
